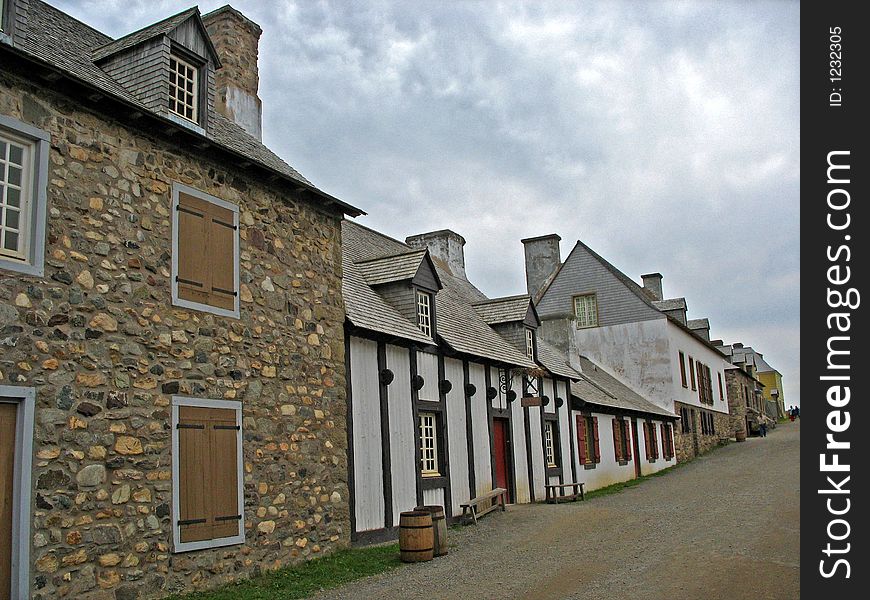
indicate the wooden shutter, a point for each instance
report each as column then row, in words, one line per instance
column 626, row 434
column 671, row 440
column 581, row 438
column 683, row 370
column 193, row 224
column 8, row 414
column 208, row 473
column 597, row 448
column 646, row 441
column 664, row 441
column 617, row 444
column 221, row 257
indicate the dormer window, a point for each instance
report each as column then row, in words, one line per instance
column 424, row 312
column 183, row 88
column 530, row 343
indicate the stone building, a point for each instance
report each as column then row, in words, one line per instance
column 590, row 308
column 746, row 391
column 172, row 395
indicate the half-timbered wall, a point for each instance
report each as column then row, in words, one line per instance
column 367, row 454
column 480, row 427
column 459, row 490
column 403, row 462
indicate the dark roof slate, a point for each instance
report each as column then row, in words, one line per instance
column 61, row 41
column 388, row 269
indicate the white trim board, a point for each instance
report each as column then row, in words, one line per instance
column 25, row 398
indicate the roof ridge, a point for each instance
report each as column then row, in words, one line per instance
column 395, row 255
column 501, row 299
column 190, row 10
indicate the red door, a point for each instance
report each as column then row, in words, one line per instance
column 500, row 438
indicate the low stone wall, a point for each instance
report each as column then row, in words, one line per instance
column 694, row 443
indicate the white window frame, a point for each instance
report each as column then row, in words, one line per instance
column 429, row 454
column 34, row 196
column 583, row 324
column 424, row 312
column 530, row 342
column 177, row 545
column 176, row 301
column 173, row 97
column 549, row 447
column 25, row 398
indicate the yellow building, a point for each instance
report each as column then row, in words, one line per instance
column 772, row 380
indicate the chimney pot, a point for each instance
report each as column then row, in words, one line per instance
column 444, row 245
column 542, row 258
column 652, row 282
column 236, row 40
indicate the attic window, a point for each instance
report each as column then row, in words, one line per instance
column 183, row 89
column 424, row 312
column 530, row 343
column 586, row 310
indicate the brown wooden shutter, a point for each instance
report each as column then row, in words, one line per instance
column 683, row 369
column 581, row 438
column 221, row 257
column 224, row 473
column 646, row 441
column 626, row 434
column 597, row 448
column 193, row 474
column 192, row 276
column 617, row 445
column 8, row 417
column 654, row 441
column 664, row 440
column 671, row 431
column 208, row 473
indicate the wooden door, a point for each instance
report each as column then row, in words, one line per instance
column 7, row 469
column 501, row 443
column 636, row 446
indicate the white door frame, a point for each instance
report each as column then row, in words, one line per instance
column 25, row 398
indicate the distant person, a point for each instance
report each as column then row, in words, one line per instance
column 762, row 429
column 791, row 413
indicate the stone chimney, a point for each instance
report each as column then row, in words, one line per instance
column 652, row 282
column 236, row 39
column 736, row 345
column 444, row 245
column 542, row 259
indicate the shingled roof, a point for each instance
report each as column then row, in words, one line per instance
column 670, row 304
column 554, row 361
column 67, row 46
column 395, row 267
column 504, row 310
column 458, row 324
column 597, row 386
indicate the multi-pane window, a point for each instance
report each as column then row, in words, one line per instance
column 685, row 420
column 207, row 473
column 530, row 343
column 721, row 389
column 424, row 312
column 621, row 440
column 586, row 310
column 550, row 444
column 14, row 197
column 429, row 444
column 205, row 252
column 705, row 384
column 183, row 88
column 692, row 373
column 587, row 440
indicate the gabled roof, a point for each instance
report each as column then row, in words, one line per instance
column 396, row 267
column 507, row 309
column 597, row 386
column 56, row 41
column 458, row 324
column 629, row 283
column 555, row 362
column 163, row 27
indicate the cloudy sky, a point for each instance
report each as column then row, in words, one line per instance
column 665, row 135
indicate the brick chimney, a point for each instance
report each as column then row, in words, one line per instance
column 652, row 282
column 236, row 39
column 542, row 259
column 444, row 245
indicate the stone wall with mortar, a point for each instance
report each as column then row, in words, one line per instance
column 100, row 341
column 685, row 443
column 735, row 379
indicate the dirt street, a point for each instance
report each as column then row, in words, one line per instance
column 726, row 526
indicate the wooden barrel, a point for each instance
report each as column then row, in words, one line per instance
column 416, row 538
column 439, row 528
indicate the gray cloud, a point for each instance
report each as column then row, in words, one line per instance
column 663, row 134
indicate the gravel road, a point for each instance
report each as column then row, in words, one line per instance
column 724, row 526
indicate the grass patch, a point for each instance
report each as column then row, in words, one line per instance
column 302, row 580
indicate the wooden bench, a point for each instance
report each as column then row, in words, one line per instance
column 553, row 497
column 472, row 507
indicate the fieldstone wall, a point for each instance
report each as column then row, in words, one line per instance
column 100, row 341
column 694, row 443
column 735, row 379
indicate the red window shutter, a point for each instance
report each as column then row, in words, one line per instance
column 595, row 439
column 646, row 440
column 664, row 440
column 626, row 432
column 581, row 438
column 617, row 432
